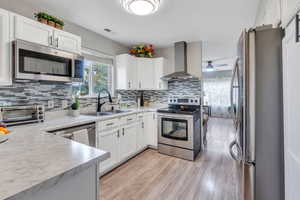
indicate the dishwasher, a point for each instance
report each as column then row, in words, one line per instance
column 84, row 134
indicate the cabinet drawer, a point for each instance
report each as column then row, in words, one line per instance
column 129, row 119
column 108, row 124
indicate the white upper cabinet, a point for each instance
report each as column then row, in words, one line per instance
column 160, row 71
column 126, row 72
column 146, row 73
column 67, row 41
column 36, row 32
column 32, row 31
column 140, row 73
column 5, row 46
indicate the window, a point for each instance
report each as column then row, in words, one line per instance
column 97, row 76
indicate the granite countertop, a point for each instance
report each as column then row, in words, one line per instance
column 32, row 158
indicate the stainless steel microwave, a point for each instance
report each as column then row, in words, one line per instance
column 37, row 62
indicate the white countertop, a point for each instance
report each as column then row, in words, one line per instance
column 32, row 158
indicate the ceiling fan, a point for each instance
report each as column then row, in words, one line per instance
column 211, row 65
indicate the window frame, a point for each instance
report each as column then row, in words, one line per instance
column 90, row 80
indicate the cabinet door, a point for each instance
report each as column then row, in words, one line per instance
column 32, row 31
column 5, row 46
column 146, row 73
column 67, row 41
column 108, row 141
column 291, row 104
column 159, row 73
column 141, row 136
column 126, row 72
column 151, row 129
column 128, row 141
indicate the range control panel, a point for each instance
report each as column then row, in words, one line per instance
column 179, row 100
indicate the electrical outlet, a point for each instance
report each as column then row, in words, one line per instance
column 51, row 104
column 64, row 104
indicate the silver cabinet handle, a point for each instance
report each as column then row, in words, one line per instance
column 143, row 125
column 123, row 132
column 57, row 39
column 129, row 85
column 109, row 124
column 51, row 40
column 118, row 135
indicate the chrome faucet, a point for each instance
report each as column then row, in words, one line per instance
column 99, row 104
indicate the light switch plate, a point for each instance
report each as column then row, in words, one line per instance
column 51, row 104
column 64, row 104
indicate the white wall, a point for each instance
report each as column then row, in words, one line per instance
column 90, row 39
column 194, row 58
column 274, row 11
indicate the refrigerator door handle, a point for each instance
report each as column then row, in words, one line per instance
column 233, row 155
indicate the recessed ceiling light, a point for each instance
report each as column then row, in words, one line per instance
column 141, row 7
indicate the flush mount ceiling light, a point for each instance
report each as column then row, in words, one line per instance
column 141, row 7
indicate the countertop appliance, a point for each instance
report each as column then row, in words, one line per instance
column 37, row 62
column 22, row 114
column 256, row 100
column 84, row 133
column 179, row 132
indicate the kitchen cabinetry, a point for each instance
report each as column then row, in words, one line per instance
column 128, row 141
column 160, row 71
column 126, row 72
column 108, row 141
column 125, row 137
column 5, row 46
column 140, row 73
column 35, row 32
column 141, row 136
column 146, row 73
column 291, row 102
column 67, row 41
column 150, row 123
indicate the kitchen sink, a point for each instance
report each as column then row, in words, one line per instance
column 114, row 112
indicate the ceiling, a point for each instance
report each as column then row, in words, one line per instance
column 176, row 20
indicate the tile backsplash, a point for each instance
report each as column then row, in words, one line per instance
column 176, row 88
column 39, row 93
column 21, row 93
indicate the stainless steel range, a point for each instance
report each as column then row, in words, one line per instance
column 179, row 128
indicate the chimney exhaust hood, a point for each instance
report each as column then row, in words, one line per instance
column 181, row 71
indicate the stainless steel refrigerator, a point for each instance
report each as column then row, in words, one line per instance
column 257, row 108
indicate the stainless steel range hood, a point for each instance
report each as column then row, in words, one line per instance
column 181, row 71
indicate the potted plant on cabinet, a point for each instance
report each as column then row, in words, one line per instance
column 75, row 111
column 59, row 24
column 42, row 17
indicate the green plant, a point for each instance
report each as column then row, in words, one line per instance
column 42, row 15
column 76, row 104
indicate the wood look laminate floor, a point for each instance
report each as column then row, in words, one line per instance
column 153, row 176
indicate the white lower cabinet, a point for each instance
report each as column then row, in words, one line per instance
column 128, row 141
column 125, row 137
column 150, row 120
column 108, row 141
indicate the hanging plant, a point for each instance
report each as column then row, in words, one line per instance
column 143, row 51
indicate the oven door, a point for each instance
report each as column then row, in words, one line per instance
column 37, row 62
column 176, row 130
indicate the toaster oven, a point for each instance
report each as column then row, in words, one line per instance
column 23, row 114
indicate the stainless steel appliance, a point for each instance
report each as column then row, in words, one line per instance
column 181, row 69
column 256, row 98
column 18, row 115
column 179, row 128
column 84, row 134
column 37, row 62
